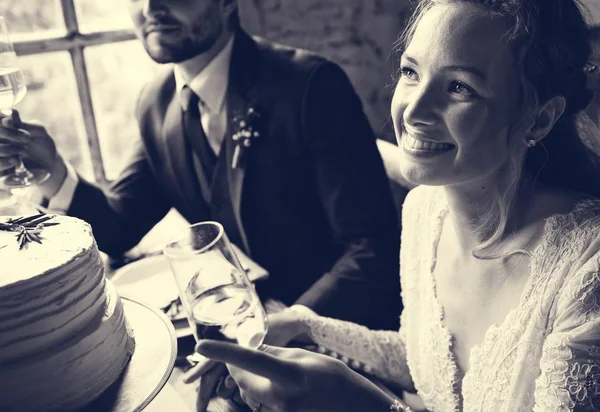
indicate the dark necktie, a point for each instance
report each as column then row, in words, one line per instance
column 195, row 135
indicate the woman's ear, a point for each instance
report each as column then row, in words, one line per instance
column 547, row 115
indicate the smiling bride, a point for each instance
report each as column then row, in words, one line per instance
column 500, row 258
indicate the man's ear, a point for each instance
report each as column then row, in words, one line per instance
column 547, row 115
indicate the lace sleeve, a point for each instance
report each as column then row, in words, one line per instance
column 570, row 363
column 382, row 352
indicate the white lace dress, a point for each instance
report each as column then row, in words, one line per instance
column 545, row 356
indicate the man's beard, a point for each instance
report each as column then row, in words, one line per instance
column 184, row 51
column 199, row 41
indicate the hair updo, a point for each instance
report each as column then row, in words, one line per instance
column 550, row 43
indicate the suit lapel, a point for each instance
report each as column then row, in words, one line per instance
column 240, row 95
column 179, row 160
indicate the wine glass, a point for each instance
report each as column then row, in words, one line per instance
column 218, row 298
column 12, row 91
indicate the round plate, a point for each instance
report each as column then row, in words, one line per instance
column 150, row 366
column 151, row 282
column 148, row 280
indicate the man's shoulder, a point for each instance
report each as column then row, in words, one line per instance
column 158, row 91
column 286, row 55
column 283, row 62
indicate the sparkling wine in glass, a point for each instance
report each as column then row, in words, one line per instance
column 12, row 91
column 219, row 300
column 229, row 313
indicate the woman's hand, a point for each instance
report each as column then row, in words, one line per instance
column 289, row 380
column 283, row 328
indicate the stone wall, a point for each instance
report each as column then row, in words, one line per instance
column 357, row 34
column 593, row 9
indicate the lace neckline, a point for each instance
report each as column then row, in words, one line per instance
column 550, row 227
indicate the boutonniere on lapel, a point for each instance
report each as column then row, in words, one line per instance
column 246, row 128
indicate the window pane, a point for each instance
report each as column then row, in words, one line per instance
column 117, row 73
column 29, row 18
column 105, row 15
column 52, row 99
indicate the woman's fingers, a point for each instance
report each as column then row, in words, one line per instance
column 208, row 383
column 237, row 398
column 260, row 363
column 198, row 370
column 227, row 388
column 256, row 387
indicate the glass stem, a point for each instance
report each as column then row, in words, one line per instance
column 20, row 169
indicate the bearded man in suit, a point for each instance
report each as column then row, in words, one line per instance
column 271, row 141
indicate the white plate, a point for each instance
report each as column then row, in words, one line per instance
column 148, row 280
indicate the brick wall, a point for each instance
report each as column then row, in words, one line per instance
column 357, row 34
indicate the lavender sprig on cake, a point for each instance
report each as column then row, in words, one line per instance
column 28, row 228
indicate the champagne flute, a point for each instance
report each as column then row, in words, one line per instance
column 218, row 298
column 12, row 91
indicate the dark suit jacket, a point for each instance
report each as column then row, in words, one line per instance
column 323, row 222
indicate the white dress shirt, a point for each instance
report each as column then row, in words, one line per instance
column 210, row 85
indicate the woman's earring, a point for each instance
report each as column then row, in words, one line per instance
column 530, row 143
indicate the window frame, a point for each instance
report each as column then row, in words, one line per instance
column 75, row 42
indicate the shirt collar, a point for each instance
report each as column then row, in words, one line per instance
column 211, row 83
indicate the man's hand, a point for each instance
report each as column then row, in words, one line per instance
column 32, row 142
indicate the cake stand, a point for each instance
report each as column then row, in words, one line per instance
column 150, row 366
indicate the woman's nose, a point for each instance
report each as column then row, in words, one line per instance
column 420, row 105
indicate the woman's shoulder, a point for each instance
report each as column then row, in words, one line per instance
column 571, row 222
column 569, row 208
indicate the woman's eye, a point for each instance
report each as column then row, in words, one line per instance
column 408, row 73
column 460, row 88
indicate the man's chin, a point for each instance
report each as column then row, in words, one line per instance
column 162, row 54
column 166, row 53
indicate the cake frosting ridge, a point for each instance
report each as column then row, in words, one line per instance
column 63, row 333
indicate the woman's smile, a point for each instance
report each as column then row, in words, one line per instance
column 424, row 148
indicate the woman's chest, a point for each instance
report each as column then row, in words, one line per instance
column 473, row 297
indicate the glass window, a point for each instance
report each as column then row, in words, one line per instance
column 28, row 19
column 52, row 100
column 94, row 15
column 117, row 72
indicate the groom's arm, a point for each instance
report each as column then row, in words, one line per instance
column 122, row 214
column 363, row 285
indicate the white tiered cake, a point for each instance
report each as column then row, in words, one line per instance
column 64, row 338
